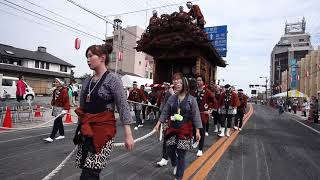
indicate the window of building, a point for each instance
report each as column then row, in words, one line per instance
column 47, row 65
column 63, row 68
column 4, row 60
column 37, row 64
column 151, row 76
column 7, row 82
column 139, row 63
column 42, row 65
column 112, row 57
column 301, row 40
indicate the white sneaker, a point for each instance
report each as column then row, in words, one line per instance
column 235, row 127
column 228, row 132
column 175, row 170
column 222, row 133
column 163, row 162
column 140, row 125
column 240, row 129
column 136, row 128
column 199, row 153
column 207, row 134
column 48, row 139
column 59, row 137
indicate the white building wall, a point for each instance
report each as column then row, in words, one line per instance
column 133, row 62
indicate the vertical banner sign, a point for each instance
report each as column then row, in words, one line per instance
column 218, row 36
column 293, row 65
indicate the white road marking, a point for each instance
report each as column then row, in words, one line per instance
column 307, row 126
column 27, row 137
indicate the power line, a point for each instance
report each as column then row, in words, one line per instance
column 141, row 10
column 44, row 20
column 100, row 16
column 63, row 24
column 7, row 12
column 57, row 14
column 85, row 34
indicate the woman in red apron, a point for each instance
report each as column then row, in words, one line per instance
column 182, row 113
column 100, row 95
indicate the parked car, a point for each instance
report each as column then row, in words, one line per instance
column 9, row 88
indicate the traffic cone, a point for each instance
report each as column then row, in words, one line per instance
column 7, row 120
column 68, row 118
column 37, row 113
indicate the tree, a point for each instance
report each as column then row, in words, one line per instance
column 85, row 76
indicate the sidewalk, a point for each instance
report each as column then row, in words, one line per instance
column 299, row 115
column 23, row 122
column 305, row 120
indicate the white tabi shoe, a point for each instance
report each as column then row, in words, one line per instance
column 215, row 128
column 140, row 125
column 228, row 132
column 163, row 162
column 136, row 128
column 59, row 137
column 235, row 127
column 48, row 139
column 199, row 153
column 222, row 132
column 207, row 134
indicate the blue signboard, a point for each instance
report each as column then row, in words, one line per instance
column 218, row 36
column 293, row 65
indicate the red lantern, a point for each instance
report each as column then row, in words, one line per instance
column 120, row 56
column 77, row 43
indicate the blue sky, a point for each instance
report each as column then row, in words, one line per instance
column 254, row 27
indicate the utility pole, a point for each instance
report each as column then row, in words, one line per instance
column 117, row 27
column 266, row 88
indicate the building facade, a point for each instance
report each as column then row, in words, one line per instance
column 129, row 60
column 307, row 76
column 293, row 45
column 39, row 67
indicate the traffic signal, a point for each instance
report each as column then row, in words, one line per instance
column 251, row 86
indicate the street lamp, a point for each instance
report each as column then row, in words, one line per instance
column 117, row 27
column 266, row 88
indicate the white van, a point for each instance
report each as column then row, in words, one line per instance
column 9, row 88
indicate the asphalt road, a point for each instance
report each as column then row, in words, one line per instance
column 272, row 147
column 269, row 147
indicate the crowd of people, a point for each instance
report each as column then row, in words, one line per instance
column 309, row 108
column 185, row 113
column 182, row 113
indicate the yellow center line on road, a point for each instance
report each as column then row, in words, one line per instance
column 206, row 168
column 193, row 167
